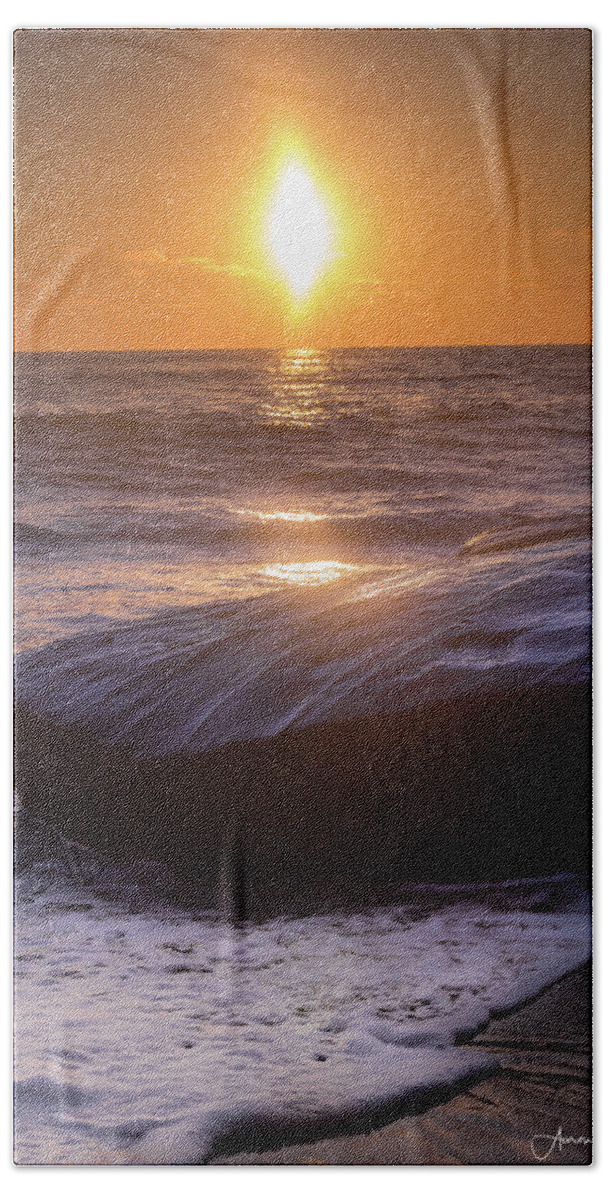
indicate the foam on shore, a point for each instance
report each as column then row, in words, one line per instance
column 166, row 1037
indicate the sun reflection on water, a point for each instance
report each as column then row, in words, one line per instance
column 297, row 390
column 308, row 573
column 296, row 516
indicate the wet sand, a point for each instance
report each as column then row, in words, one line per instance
column 542, row 1089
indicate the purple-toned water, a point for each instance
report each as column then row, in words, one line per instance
column 231, row 543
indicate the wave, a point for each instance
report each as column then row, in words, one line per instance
column 34, row 539
column 539, row 533
column 191, row 678
column 260, row 535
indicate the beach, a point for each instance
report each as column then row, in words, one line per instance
column 514, row 1117
column 147, row 1032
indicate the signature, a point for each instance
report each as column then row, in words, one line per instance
column 555, row 1142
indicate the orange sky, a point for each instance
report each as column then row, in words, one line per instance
column 459, row 162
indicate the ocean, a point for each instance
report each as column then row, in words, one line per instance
column 269, row 541
column 216, row 548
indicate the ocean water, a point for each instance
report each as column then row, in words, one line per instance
column 215, row 546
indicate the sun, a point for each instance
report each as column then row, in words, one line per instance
column 299, row 228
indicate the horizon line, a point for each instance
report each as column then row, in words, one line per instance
column 295, row 348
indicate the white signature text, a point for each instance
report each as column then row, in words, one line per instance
column 543, row 1144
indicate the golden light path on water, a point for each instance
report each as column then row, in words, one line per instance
column 299, row 517
column 130, row 590
column 308, row 573
column 299, row 395
column 299, row 398
column 123, row 592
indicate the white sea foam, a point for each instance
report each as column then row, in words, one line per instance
column 160, row 1036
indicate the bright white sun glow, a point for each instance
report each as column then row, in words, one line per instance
column 299, row 228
